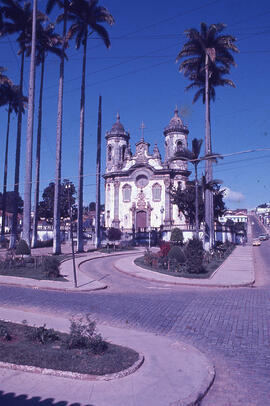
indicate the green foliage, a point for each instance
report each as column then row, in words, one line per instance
column 22, row 248
column 114, row 234
column 195, row 256
column 177, row 236
column 176, row 253
column 83, row 335
column 43, row 335
column 50, row 267
column 10, row 198
column 4, row 333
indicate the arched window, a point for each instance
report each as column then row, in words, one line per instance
column 126, row 193
column 156, row 192
column 123, row 152
column 179, row 145
column 109, row 153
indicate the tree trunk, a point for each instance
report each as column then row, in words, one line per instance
column 81, row 154
column 29, row 137
column 57, row 187
column 98, row 176
column 196, row 202
column 35, row 222
column 5, row 180
column 14, row 226
column 208, row 163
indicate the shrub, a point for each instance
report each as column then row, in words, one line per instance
column 50, row 267
column 176, row 253
column 114, row 234
column 148, row 257
column 195, row 256
column 46, row 243
column 83, row 335
column 43, row 335
column 4, row 333
column 177, row 236
column 22, row 248
column 164, row 249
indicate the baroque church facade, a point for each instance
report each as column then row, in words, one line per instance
column 137, row 185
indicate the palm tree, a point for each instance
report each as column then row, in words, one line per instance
column 87, row 15
column 206, row 50
column 15, row 103
column 18, row 19
column 193, row 156
column 29, row 135
column 47, row 41
column 63, row 4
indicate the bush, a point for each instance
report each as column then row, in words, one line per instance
column 195, row 256
column 83, row 335
column 43, row 335
column 4, row 333
column 177, row 236
column 176, row 253
column 114, row 234
column 50, row 267
column 164, row 249
column 22, row 248
column 46, row 243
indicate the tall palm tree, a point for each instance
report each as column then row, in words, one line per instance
column 63, row 4
column 47, row 42
column 193, row 156
column 16, row 102
column 204, row 51
column 18, row 20
column 87, row 18
column 29, row 134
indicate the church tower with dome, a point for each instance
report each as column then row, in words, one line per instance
column 137, row 184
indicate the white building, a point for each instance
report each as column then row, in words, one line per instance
column 137, row 185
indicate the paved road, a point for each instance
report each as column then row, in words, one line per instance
column 230, row 325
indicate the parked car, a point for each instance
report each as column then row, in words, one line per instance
column 256, row 242
column 264, row 237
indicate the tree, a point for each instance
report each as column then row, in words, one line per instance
column 193, row 157
column 29, row 135
column 15, row 102
column 87, row 15
column 207, row 52
column 46, row 206
column 114, row 234
column 47, row 42
column 92, row 206
column 177, row 236
column 18, row 19
column 63, row 4
column 10, row 200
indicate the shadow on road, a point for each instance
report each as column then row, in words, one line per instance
column 11, row 399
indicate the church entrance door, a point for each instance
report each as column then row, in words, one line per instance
column 141, row 219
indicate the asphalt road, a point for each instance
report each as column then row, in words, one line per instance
column 231, row 326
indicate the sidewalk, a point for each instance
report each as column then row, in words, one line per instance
column 172, row 374
column 236, row 271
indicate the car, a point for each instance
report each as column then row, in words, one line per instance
column 264, row 237
column 256, row 243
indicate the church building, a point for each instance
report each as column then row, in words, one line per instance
column 137, row 185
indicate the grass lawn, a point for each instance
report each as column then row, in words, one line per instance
column 209, row 269
column 24, row 349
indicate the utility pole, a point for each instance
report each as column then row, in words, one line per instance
column 97, row 225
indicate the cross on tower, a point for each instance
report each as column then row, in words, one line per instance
column 142, row 127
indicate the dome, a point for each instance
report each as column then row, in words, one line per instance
column 175, row 124
column 117, row 129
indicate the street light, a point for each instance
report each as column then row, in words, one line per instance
column 68, row 187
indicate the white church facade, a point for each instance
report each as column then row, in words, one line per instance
column 137, row 185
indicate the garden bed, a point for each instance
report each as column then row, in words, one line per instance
column 40, row 268
column 209, row 268
column 25, row 347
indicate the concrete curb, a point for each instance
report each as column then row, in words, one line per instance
column 74, row 375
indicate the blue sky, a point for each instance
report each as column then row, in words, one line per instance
column 138, row 78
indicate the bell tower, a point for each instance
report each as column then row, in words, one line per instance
column 175, row 138
column 117, row 146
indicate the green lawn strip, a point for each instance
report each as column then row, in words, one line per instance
column 22, row 350
column 29, row 272
column 209, row 269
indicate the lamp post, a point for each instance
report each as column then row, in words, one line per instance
column 68, row 186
